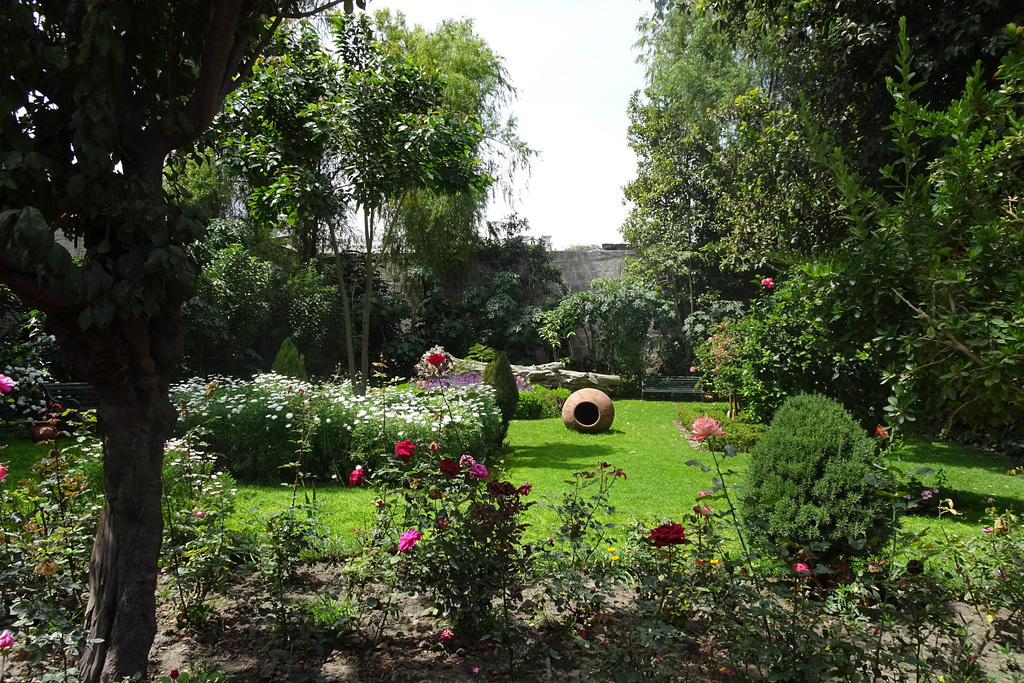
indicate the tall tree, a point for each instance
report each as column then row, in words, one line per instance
column 98, row 94
column 395, row 137
column 441, row 231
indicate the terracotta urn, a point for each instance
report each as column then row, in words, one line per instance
column 589, row 411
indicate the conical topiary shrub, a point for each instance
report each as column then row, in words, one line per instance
column 498, row 374
column 289, row 362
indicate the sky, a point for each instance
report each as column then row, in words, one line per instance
column 574, row 67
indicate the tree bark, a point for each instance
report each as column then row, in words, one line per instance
column 368, row 230
column 339, row 273
column 130, row 364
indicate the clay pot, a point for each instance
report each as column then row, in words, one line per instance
column 589, row 411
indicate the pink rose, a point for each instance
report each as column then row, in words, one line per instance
column 6, row 638
column 767, row 282
column 466, row 460
column 801, row 568
column 6, row 384
column 198, row 513
column 693, row 368
column 3, row 472
column 404, row 450
column 408, row 540
column 478, row 471
column 447, row 634
column 703, row 427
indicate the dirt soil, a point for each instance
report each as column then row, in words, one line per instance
column 410, row 650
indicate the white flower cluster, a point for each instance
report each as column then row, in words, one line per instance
column 274, row 399
column 427, row 370
column 27, row 395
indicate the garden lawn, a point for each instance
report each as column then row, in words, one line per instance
column 643, row 442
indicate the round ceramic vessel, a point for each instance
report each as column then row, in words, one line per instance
column 589, row 411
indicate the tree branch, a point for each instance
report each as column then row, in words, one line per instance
column 956, row 343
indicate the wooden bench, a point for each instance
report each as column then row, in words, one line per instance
column 667, row 384
column 71, row 395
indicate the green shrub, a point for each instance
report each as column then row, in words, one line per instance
column 540, row 403
column 481, row 353
column 498, row 374
column 289, row 362
column 805, row 481
column 256, row 424
column 739, row 433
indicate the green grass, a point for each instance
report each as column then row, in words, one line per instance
column 647, row 446
column 643, row 442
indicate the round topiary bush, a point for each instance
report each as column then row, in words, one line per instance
column 805, row 482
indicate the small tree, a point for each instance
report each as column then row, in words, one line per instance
column 289, row 362
column 498, row 374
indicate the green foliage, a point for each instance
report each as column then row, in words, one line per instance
column 798, row 338
column 498, row 374
column 942, row 253
column 805, row 483
column 481, row 353
column 289, row 362
column 48, row 519
column 198, row 549
column 258, row 425
column 739, row 433
column 540, row 403
column 616, row 316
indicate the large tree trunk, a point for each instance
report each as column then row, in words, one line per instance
column 131, row 365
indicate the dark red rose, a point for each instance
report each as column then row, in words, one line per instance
column 524, row 490
column 501, row 488
column 670, row 533
column 449, row 467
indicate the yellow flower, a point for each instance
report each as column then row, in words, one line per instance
column 611, row 550
column 615, row 557
column 714, row 560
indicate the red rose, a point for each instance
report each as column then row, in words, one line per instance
column 500, row 488
column 881, row 431
column 524, row 490
column 404, row 450
column 436, row 359
column 357, row 477
column 449, row 467
column 670, row 533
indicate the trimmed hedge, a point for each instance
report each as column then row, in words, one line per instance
column 805, row 482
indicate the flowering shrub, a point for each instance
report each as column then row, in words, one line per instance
column 253, row 423
column 24, row 397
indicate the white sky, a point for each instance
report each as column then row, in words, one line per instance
column 573, row 64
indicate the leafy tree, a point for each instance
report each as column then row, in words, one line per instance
column 98, row 95
column 944, row 258
column 395, row 137
column 616, row 317
column 290, row 362
column 440, row 231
